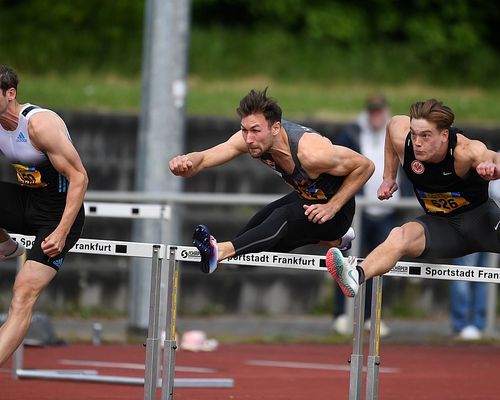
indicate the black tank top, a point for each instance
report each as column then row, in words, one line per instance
column 439, row 190
column 321, row 188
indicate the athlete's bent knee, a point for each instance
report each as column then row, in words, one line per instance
column 396, row 237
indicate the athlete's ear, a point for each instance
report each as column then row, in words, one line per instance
column 11, row 94
column 276, row 128
column 445, row 134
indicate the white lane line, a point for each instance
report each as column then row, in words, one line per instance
column 301, row 365
column 105, row 364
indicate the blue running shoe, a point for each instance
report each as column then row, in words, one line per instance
column 207, row 246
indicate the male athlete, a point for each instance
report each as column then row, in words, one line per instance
column 46, row 203
column 325, row 178
column 450, row 175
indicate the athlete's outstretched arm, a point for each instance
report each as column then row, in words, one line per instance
column 49, row 134
column 485, row 161
column 393, row 155
column 318, row 155
column 190, row 164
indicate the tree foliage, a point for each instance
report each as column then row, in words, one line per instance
column 429, row 40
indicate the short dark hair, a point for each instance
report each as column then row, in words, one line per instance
column 256, row 102
column 434, row 111
column 8, row 78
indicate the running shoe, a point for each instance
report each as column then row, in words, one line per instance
column 207, row 246
column 344, row 273
column 346, row 240
column 18, row 250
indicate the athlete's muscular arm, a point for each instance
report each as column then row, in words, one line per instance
column 318, row 155
column 48, row 133
column 190, row 164
column 395, row 135
column 473, row 152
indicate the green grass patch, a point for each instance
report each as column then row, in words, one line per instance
column 299, row 99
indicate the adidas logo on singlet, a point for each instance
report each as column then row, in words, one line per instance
column 21, row 138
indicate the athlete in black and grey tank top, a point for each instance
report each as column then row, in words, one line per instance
column 321, row 188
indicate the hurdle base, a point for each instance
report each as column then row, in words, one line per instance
column 93, row 376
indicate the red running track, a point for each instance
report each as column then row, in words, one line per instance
column 319, row 372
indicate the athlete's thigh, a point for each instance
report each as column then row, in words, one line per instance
column 442, row 237
column 301, row 229
column 265, row 212
column 13, row 199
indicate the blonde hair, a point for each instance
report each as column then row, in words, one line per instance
column 434, row 111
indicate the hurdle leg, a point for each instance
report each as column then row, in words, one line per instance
column 153, row 340
column 356, row 359
column 373, row 361
column 170, row 345
column 491, row 307
column 18, row 356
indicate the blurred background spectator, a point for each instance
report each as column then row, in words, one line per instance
column 367, row 136
column 469, row 299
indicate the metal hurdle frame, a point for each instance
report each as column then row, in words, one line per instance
column 177, row 254
column 156, row 253
column 404, row 270
column 157, row 311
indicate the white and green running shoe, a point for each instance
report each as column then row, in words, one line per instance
column 345, row 273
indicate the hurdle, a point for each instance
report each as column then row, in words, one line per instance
column 154, row 252
column 403, row 270
column 177, row 254
column 159, row 212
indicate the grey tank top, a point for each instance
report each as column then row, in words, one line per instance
column 321, row 188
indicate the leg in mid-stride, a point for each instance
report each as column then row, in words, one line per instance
column 31, row 280
column 280, row 226
column 407, row 240
column 34, row 276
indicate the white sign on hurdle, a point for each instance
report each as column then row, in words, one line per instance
column 127, row 210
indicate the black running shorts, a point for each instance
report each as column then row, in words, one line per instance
column 21, row 213
column 469, row 232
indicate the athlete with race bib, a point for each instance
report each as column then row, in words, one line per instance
column 45, row 202
column 450, row 175
column 324, row 178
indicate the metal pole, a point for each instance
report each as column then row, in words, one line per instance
column 355, row 250
column 373, row 361
column 170, row 345
column 153, row 340
column 491, row 308
column 161, row 128
column 356, row 360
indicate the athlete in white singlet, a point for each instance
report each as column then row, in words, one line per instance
column 46, row 202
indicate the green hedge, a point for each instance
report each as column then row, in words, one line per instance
column 381, row 40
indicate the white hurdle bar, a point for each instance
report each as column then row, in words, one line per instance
column 127, row 210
